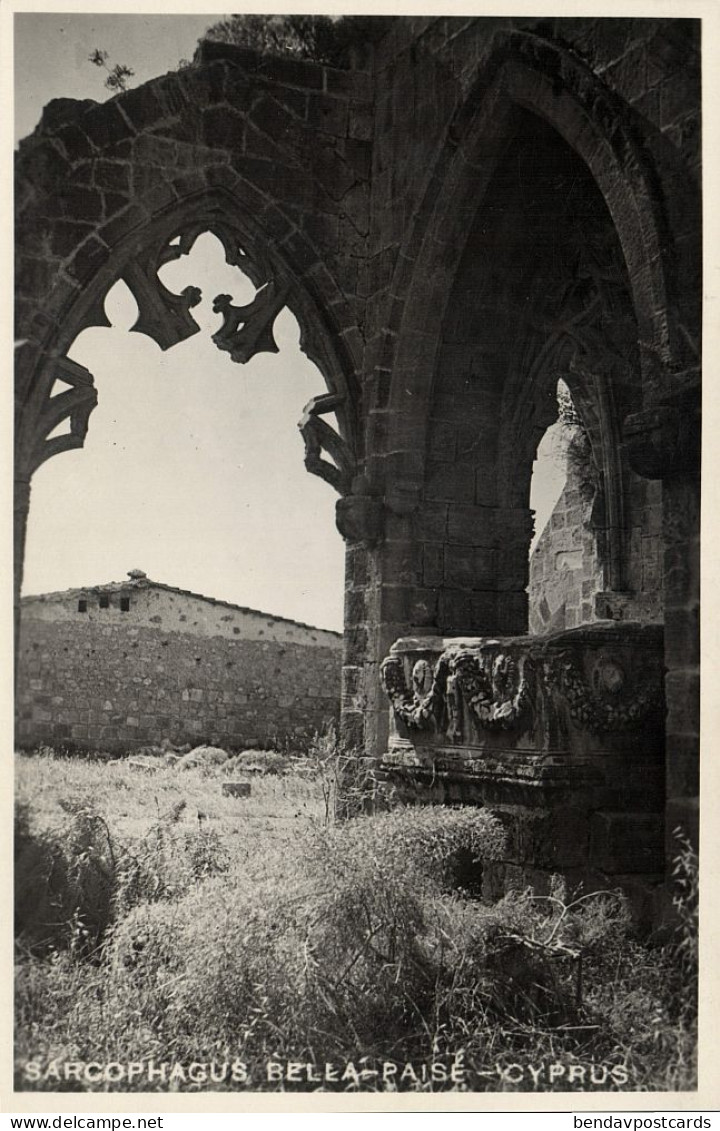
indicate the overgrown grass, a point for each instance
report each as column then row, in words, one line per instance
column 226, row 940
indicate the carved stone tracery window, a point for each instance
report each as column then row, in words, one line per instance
column 164, row 316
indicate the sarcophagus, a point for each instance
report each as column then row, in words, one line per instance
column 562, row 735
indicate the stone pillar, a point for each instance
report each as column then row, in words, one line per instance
column 360, row 520
column 355, row 646
column 21, row 507
column 664, row 443
column 681, row 528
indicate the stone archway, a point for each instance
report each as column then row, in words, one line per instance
column 115, row 191
column 476, row 517
column 312, row 169
column 528, row 72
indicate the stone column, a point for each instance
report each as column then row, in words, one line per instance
column 664, row 443
column 21, row 507
column 360, row 520
column 681, row 529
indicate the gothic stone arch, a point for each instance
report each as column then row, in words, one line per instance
column 115, row 191
column 454, row 553
column 384, row 173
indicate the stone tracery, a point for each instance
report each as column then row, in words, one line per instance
column 363, row 216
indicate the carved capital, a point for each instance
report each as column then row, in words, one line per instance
column 360, row 518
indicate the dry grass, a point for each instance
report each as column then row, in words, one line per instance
column 258, row 930
column 132, row 801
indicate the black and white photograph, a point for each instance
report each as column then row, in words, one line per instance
column 357, row 553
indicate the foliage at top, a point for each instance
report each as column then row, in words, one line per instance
column 118, row 75
column 322, row 39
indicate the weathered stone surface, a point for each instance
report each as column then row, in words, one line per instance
column 562, row 736
column 173, row 667
column 236, row 788
column 476, row 206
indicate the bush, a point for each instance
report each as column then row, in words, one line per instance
column 260, row 762
column 73, row 880
column 341, row 956
column 348, row 777
column 319, row 38
column 64, row 880
column 363, row 944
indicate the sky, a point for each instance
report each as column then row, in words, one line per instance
column 192, row 469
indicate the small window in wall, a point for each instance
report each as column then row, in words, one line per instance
column 124, row 604
column 82, row 605
column 104, row 601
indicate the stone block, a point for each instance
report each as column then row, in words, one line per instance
column 66, row 235
column 356, row 644
column 455, row 612
column 433, row 567
column 360, row 122
column 454, row 482
column 628, row 76
column 552, row 839
column 467, row 567
column 106, row 125
column 430, row 522
column 627, row 842
column 472, row 526
column 423, row 607
column 403, row 563
column 236, row 788
column 327, row 114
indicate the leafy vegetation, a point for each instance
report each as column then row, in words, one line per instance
column 320, row 38
column 117, row 75
column 226, row 939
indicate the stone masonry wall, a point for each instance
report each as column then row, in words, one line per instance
column 564, row 569
column 362, row 186
column 566, row 576
column 175, row 610
column 117, row 685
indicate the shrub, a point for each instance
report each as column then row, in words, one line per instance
column 260, row 762
column 362, row 944
column 686, row 902
column 64, row 880
column 348, row 777
column 73, row 880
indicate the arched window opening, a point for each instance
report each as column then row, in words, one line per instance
column 565, row 494
column 192, row 466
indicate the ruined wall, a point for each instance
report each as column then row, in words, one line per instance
column 566, row 575
column 564, row 567
column 104, row 680
column 362, row 189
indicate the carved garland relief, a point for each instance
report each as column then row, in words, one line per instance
column 498, row 691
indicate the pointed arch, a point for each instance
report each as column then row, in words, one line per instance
column 630, row 166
